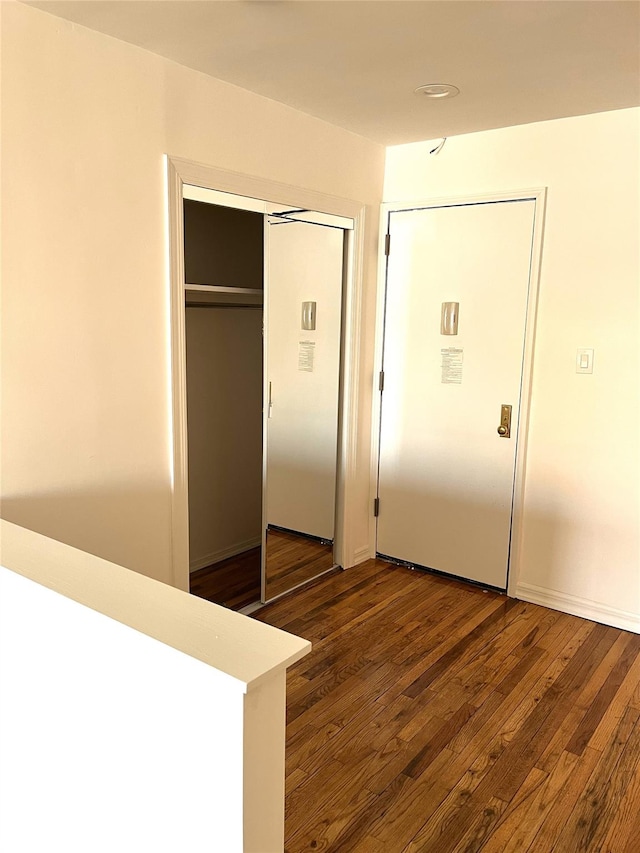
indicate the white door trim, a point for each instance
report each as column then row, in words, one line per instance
column 179, row 172
column 539, row 195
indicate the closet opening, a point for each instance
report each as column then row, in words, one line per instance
column 264, row 287
column 223, row 259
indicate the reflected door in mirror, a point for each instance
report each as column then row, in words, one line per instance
column 305, row 265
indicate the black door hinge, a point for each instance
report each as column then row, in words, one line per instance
column 387, row 244
column 381, row 381
column 376, row 507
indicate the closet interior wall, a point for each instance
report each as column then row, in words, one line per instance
column 224, row 411
column 223, row 248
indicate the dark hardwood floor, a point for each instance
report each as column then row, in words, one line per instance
column 433, row 716
column 293, row 559
column 234, row 582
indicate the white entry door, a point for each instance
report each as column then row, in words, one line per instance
column 446, row 476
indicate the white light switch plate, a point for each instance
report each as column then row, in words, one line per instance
column 584, row 361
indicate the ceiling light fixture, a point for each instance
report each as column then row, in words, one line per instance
column 437, row 91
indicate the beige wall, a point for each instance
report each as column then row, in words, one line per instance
column 581, row 502
column 224, row 416
column 85, row 364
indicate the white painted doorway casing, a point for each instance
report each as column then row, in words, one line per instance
column 178, row 173
column 450, row 488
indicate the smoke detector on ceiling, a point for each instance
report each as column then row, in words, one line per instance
column 437, row 91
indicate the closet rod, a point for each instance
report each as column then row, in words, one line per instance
column 286, row 221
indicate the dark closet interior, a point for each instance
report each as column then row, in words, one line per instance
column 223, row 251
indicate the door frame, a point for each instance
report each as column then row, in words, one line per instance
column 177, row 173
column 539, row 196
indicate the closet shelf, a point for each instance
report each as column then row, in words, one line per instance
column 214, row 288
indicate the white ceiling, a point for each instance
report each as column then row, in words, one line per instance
column 355, row 63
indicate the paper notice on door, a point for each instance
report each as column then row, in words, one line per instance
column 451, row 366
column 306, row 354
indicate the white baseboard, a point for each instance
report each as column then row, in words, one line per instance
column 361, row 554
column 576, row 606
column 223, row 554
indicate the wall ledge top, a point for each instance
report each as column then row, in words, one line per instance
column 242, row 648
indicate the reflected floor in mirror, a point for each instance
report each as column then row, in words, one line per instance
column 234, row 582
column 294, row 558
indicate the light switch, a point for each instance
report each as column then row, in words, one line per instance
column 584, row 361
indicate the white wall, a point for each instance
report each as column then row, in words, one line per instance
column 224, row 414
column 117, row 761
column 86, row 121
column 100, row 672
column 580, row 544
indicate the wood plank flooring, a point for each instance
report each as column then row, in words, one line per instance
column 234, row 582
column 293, row 559
column 433, row 716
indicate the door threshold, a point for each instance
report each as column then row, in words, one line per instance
column 248, row 609
column 416, row 567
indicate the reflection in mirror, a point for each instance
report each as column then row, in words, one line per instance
column 293, row 558
column 305, row 264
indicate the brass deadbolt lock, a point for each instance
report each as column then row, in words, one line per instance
column 504, row 430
